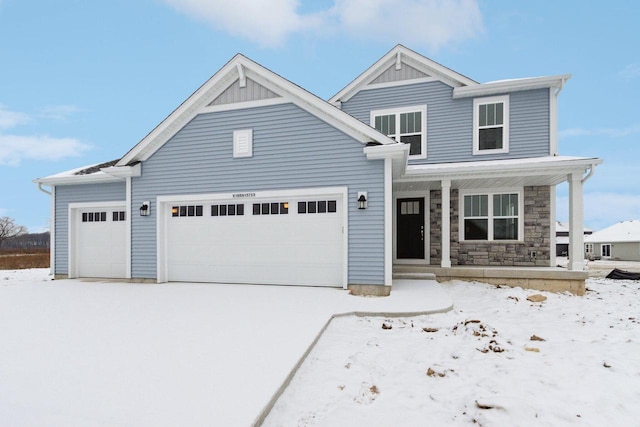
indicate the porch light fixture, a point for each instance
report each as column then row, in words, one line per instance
column 145, row 209
column 362, row 200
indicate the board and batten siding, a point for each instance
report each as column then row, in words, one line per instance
column 65, row 194
column 450, row 121
column 291, row 149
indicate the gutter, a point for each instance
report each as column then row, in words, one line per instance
column 42, row 189
column 592, row 168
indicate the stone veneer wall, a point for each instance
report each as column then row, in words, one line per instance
column 537, row 235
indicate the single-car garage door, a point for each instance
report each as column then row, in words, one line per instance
column 101, row 242
column 277, row 240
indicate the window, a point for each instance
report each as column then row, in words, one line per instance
column 317, row 206
column 274, row 208
column 94, row 216
column 491, row 125
column 491, row 216
column 606, row 251
column 408, row 125
column 243, row 143
column 189, row 210
column 588, row 248
column 118, row 216
column 227, row 210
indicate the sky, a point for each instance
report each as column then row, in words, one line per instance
column 82, row 82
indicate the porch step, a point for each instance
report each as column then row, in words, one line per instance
column 414, row 276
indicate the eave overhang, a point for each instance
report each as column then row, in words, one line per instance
column 506, row 86
column 104, row 175
column 551, row 170
column 398, row 153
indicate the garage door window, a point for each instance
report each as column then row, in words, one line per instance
column 227, row 210
column 317, row 206
column 94, row 217
column 189, row 210
column 273, row 208
column 118, row 216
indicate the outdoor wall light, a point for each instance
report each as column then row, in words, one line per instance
column 145, row 209
column 362, row 200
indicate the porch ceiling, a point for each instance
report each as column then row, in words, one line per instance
column 494, row 173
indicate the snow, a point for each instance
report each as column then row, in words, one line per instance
column 77, row 353
column 479, row 365
column 623, row 231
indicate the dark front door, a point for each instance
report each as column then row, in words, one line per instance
column 410, row 232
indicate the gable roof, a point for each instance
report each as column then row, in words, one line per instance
column 624, row 231
column 241, row 70
column 418, row 66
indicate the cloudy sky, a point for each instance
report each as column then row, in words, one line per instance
column 81, row 82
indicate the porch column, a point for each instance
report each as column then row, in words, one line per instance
column 446, row 223
column 576, row 223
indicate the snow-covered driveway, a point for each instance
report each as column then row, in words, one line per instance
column 75, row 353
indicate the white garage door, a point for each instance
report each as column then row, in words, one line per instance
column 286, row 241
column 101, row 242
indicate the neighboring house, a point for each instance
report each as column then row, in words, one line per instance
column 562, row 238
column 252, row 179
column 620, row 241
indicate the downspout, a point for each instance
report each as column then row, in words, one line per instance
column 42, row 189
column 589, row 174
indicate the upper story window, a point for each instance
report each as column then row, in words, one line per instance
column 407, row 124
column 491, row 125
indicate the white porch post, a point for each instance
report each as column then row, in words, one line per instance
column 446, row 223
column 576, row 223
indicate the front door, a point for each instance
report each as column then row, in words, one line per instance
column 410, row 232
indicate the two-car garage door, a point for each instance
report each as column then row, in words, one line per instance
column 286, row 240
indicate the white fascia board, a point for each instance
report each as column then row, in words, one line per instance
column 520, row 167
column 409, row 57
column 319, row 107
column 123, row 171
column 398, row 153
column 515, row 85
column 198, row 101
column 94, row 178
column 183, row 114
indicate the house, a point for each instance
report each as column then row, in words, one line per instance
column 562, row 238
column 620, row 241
column 252, row 179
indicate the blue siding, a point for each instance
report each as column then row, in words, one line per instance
column 291, row 149
column 450, row 121
column 66, row 194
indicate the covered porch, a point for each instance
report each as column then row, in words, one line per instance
column 491, row 221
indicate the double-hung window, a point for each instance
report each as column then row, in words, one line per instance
column 407, row 124
column 491, row 125
column 491, row 216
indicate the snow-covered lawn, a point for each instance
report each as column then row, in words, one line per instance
column 495, row 360
column 77, row 353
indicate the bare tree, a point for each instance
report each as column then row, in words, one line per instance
column 9, row 229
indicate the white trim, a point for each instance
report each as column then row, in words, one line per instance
column 52, row 231
column 397, row 83
column 397, row 112
column 552, row 224
column 128, row 219
column 445, row 231
column 427, row 229
column 242, row 79
column 246, row 104
column 123, row 171
column 513, row 85
column 409, row 57
column 576, row 222
column 490, row 192
column 72, row 242
column 477, row 102
column 553, row 122
column 163, row 201
column 389, row 224
column 94, row 178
